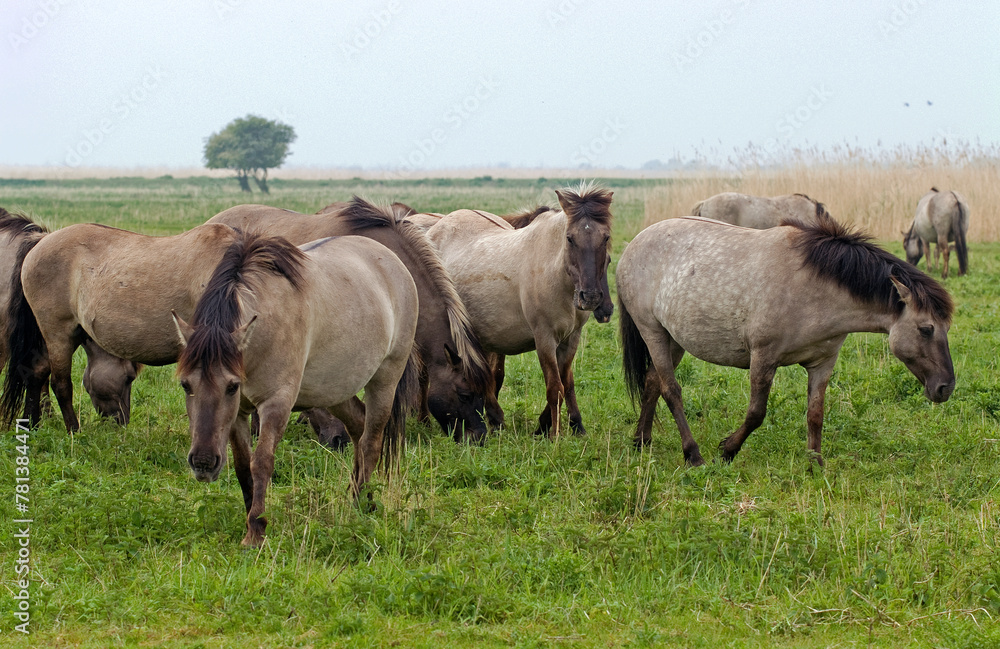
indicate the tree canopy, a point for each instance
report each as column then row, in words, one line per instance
column 250, row 146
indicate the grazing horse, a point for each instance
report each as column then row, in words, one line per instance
column 280, row 328
column 111, row 286
column 760, row 212
column 760, row 300
column 942, row 217
column 533, row 288
column 455, row 377
column 107, row 379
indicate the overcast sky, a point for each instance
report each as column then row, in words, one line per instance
column 437, row 84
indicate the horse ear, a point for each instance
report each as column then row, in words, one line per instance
column 243, row 334
column 184, row 330
column 453, row 356
column 904, row 293
column 564, row 201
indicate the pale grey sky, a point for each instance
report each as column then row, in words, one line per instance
column 440, row 84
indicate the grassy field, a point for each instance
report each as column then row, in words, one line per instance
column 583, row 542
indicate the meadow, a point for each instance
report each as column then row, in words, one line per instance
column 581, row 542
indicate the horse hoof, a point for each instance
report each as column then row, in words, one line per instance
column 578, row 429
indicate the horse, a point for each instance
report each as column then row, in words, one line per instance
column 533, row 288
column 455, row 377
column 114, row 287
column 760, row 212
column 107, row 379
column 942, row 217
column 762, row 299
column 280, row 328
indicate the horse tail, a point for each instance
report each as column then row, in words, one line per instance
column 636, row 360
column 696, row 210
column 25, row 343
column 960, row 244
column 405, row 401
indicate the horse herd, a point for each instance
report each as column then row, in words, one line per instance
column 268, row 311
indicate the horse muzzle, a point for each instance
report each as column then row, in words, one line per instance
column 205, row 466
column 939, row 392
column 588, row 300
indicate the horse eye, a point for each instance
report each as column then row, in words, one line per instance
column 465, row 397
column 186, row 387
column 571, row 241
column 232, row 388
column 927, row 331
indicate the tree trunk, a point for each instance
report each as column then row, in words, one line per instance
column 244, row 181
column 262, row 181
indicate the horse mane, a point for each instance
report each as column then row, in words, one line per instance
column 588, row 201
column 217, row 314
column 16, row 223
column 360, row 215
column 401, row 210
column 821, row 212
column 849, row 258
column 935, row 190
column 696, row 210
column 526, row 216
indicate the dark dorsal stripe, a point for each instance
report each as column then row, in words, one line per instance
column 217, row 314
column 850, row 258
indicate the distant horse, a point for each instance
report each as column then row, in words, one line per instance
column 760, row 212
column 281, row 328
column 941, row 217
column 107, row 379
column 760, row 300
column 112, row 286
column 533, row 287
column 456, row 375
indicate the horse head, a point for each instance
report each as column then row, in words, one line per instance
column 919, row 338
column 454, row 401
column 588, row 241
column 913, row 245
column 108, row 380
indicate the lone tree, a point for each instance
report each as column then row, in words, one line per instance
column 249, row 145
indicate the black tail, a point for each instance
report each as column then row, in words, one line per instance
column 960, row 245
column 25, row 344
column 406, row 400
column 636, row 360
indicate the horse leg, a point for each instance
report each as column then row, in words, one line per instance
column 424, row 414
column 36, row 392
column 554, row 393
column 494, row 412
column 565, row 354
column 761, row 378
column 666, row 355
column 61, row 364
column 239, row 442
column 274, row 415
column 379, row 396
column 943, row 248
column 647, row 409
column 819, row 378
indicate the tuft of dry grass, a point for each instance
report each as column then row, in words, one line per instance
column 877, row 192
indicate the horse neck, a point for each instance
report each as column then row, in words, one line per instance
column 844, row 314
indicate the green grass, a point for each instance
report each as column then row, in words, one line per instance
column 579, row 543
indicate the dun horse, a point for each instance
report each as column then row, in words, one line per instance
column 111, row 286
column 533, row 288
column 107, row 379
column 280, row 328
column 455, row 375
column 760, row 212
column 764, row 299
column 942, row 217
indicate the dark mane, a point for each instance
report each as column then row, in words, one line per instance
column 217, row 314
column 850, row 258
column 526, row 216
column 14, row 224
column 401, row 210
column 589, row 201
column 359, row 214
